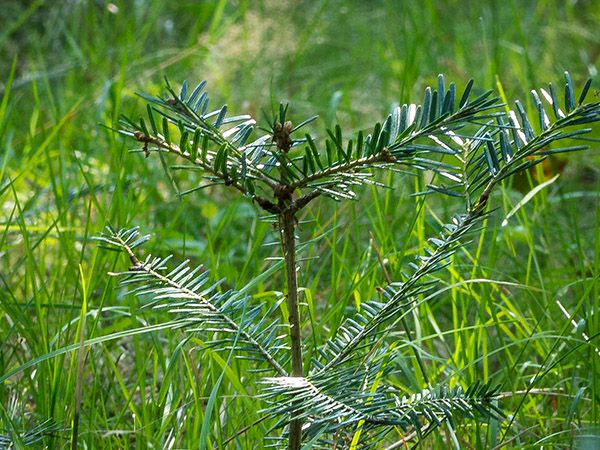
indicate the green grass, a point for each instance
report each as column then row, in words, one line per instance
column 63, row 177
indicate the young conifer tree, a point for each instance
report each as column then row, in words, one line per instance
column 342, row 392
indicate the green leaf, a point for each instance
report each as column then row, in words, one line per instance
column 329, row 153
column 166, row 135
column 542, row 117
column 309, row 159
column 426, row 107
column 204, row 147
column 337, row 141
column 569, row 94
column 184, row 90
column 449, row 100
column 372, row 147
column 282, row 113
column 220, row 117
column 304, row 122
column 202, row 103
column 314, row 150
column 195, row 144
column 555, row 107
column 184, row 143
column 433, row 111
column 196, row 93
column 584, row 91
column 349, row 151
column 465, row 97
column 529, row 133
column 219, row 157
column 491, row 157
column 505, row 147
column 143, row 127
column 151, row 119
column 574, row 148
column 359, row 143
column 441, row 90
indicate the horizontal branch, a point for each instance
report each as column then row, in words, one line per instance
column 227, row 180
column 383, row 157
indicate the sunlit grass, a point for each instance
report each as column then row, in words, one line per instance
column 516, row 317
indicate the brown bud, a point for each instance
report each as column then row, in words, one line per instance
column 281, row 135
column 386, row 156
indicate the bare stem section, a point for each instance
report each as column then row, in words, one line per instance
column 287, row 222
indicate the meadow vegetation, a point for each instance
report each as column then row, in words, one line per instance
column 82, row 364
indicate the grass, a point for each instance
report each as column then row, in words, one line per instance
column 115, row 379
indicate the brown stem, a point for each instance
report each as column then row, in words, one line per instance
column 287, row 223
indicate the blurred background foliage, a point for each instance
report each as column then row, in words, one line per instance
column 68, row 67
